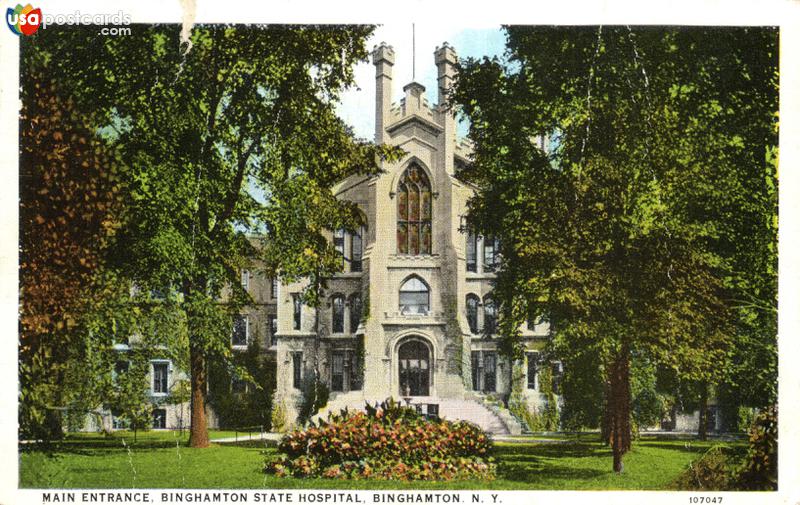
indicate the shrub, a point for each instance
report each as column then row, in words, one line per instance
column 530, row 416
column 745, row 416
column 760, row 471
column 387, row 442
column 711, row 472
column 278, row 417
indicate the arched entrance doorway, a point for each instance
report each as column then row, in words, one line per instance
column 414, row 358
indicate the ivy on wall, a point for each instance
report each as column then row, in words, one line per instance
column 253, row 406
column 537, row 419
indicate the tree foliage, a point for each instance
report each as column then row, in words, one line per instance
column 629, row 174
column 230, row 136
column 240, row 392
column 69, row 199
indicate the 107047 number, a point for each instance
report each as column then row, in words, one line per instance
column 705, row 499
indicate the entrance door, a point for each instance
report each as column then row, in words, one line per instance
column 415, row 369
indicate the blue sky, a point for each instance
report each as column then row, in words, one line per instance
column 358, row 105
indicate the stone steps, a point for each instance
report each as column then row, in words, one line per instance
column 493, row 419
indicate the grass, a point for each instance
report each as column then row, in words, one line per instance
column 162, row 460
column 163, row 435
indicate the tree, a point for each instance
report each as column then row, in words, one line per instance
column 69, row 200
column 613, row 164
column 230, row 146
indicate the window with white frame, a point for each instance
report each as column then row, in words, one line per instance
column 245, row 279
column 160, row 377
column 415, row 297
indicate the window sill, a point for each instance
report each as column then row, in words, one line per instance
column 348, row 275
column 480, row 275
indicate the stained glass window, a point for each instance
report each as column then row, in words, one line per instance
column 414, row 206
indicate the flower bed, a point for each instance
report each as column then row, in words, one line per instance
column 386, row 441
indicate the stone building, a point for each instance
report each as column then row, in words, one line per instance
column 411, row 315
column 408, row 315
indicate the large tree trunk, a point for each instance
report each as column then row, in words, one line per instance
column 702, row 427
column 198, row 436
column 620, row 407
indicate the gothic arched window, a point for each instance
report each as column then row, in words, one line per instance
column 472, row 312
column 489, row 316
column 415, row 297
column 414, row 212
column 338, row 313
column 355, row 311
column 356, row 250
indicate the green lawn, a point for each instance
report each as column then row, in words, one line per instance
column 161, row 460
column 163, row 435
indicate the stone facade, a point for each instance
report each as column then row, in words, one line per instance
column 413, row 268
column 407, row 316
